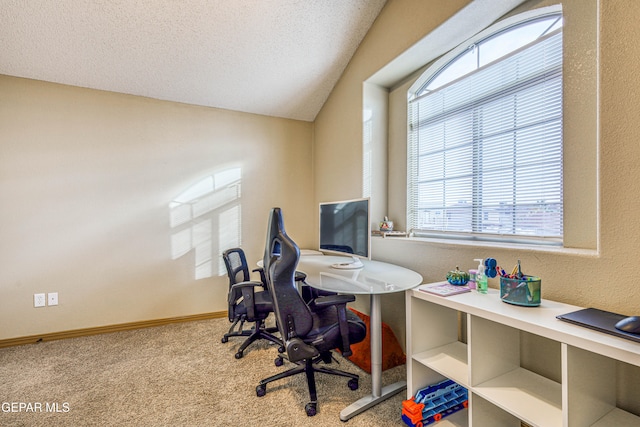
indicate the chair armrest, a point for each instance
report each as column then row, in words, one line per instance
column 244, row 290
column 340, row 302
column 263, row 277
column 329, row 300
column 242, row 285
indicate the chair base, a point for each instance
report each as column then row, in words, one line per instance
column 258, row 331
column 309, row 367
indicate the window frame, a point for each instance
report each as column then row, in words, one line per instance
column 432, row 72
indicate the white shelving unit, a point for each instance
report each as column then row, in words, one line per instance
column 569, row 377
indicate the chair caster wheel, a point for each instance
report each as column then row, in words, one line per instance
column 279, row 361
column 281, row 349
column 353, row 384
column 239, row 355
column 310, row 409
column 261, row 390
column 224, row 339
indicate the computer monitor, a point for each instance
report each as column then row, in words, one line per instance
column 345, row 229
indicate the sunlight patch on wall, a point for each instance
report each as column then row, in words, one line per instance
column 210, row 205
column 228, row 232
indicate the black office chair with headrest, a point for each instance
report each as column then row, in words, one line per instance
column 247, row 302
column 307, row 334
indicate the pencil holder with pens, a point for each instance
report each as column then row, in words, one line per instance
column 523, row 291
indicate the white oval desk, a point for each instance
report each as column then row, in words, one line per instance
column 374, row 278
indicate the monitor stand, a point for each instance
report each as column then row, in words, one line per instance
column 354, row 264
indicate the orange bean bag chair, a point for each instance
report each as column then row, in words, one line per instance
column 392, row 354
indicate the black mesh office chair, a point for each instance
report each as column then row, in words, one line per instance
column 247, row 303
column 307, row 334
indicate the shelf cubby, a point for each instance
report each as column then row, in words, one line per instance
column 485, row 414
column 593, row 390
column 498, row 375
column 450, row 360
column 436, row 343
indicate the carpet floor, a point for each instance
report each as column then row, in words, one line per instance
column 173, row 375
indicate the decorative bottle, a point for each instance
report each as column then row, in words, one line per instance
column 481, row 279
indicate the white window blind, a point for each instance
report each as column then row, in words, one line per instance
column 485, row 150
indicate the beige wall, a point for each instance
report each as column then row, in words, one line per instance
column 601, row 153
column 86, row 182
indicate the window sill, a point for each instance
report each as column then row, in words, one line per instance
column 590, row 253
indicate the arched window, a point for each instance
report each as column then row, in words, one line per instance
column 485, row 136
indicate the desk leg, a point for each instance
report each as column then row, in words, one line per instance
column 378, row 393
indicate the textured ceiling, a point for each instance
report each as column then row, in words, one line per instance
column 272, row 57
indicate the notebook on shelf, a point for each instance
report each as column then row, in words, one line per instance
column 444, row 289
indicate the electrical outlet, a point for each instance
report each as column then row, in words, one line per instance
column 52, row 298
column 39, row 300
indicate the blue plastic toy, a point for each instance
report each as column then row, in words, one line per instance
column 434, row 402
column 490, row 267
